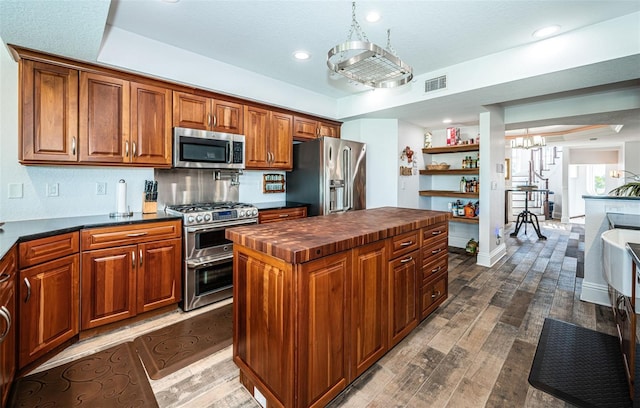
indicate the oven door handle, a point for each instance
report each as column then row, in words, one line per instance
column 205, row 264
column 220, row 226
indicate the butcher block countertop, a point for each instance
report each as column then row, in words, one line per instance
column 306, row 239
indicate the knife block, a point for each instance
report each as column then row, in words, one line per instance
column 149, row 207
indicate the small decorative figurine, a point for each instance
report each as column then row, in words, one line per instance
column 427, row 139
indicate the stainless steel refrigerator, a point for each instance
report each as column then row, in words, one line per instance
column 329, row 174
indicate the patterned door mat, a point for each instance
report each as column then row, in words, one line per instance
column 108, row 379
column 171, row 348
column 580, row 366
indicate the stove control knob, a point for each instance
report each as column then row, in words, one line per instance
column 254, row 212
column 199, row 218
column 207, row 217
column 242, row 213
column 190, row 219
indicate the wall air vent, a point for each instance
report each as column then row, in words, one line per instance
column 434, row 84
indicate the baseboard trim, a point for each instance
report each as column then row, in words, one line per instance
column 595, row 293
column 490, row 259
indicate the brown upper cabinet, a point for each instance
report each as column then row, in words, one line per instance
column 49, row 113
column 305, row 129
column 72, row 116
column 269, row 141
column 199, row 112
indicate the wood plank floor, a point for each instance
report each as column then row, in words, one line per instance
column 476, row 350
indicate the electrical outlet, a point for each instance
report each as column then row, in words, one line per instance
column 101, row 188
column 52, row 190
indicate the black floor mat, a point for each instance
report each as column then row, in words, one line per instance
column 580, row 366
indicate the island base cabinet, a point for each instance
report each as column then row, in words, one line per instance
column 403, row 297
column 266, row 324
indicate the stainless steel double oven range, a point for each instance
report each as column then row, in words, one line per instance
column 208, row 255
column 203, row 188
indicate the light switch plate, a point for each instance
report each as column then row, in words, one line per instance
column 15, row 190
column 52, row 190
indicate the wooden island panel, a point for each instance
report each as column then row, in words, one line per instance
column 319, row 300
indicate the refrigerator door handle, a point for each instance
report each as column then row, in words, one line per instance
column 348, row 181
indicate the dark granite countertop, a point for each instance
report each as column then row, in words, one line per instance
column 304, row 239
column 634, row 250
column 607, row 197
column 277, row 205
column 626, row 221
column 18, row 231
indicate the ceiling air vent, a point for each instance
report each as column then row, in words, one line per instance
column 434, row 84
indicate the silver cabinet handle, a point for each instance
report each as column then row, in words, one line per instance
column 140, row 257
column 437, row 251
column 283, row 215
column 26, row 282
column 209, row 119
column 73, row 146
column 126, row 148
column 405, row 260
column 215, row 121
column 133, row 259
column 4, row 312
column 436, row 232
column 136, row 234
column 4, row 277
column 404, row 244
column 436, row 269
column 435, row 295
column 134, row 149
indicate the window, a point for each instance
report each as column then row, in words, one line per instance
column 595, row 179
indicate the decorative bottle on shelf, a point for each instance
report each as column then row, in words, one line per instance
column 463, row 185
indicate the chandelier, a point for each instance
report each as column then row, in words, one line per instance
column 367, row 63
column 528, row 142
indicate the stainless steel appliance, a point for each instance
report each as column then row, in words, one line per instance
column 208, row 255
column 329, row 174
column 202, row 149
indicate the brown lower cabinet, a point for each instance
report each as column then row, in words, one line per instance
column 304, row 331
column 127, row 270
column 281, row 214
column 48, row 295
column 8, row 270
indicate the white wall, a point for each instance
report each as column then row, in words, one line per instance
column 412, row 136
column 381, row 137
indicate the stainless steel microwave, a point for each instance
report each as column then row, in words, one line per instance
column 193, row 148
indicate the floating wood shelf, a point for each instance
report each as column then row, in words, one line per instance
column 465, row 220
column 447, row 193
column 450, row 171
column 452, row 149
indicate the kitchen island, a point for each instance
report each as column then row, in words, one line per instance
column 318, row 300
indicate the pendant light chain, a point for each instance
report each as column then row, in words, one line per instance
column 355, row 26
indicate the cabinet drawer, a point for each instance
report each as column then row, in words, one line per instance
column 434, row 249
column 99, row 238
column 283, row 214
column 434, row 232
column 434, row 294
column 434, row 268
column 403, row 244
column 41, row 250
column 8, row 268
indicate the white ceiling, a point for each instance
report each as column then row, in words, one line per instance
column 260, row 36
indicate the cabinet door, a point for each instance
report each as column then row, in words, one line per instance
column 108, row 285
column 256, row 133
column 281, row 214
column 323, row 321
column 48, row 307
column 104, row 119
column 304, row 129
column 191, row 111
column 49, row 114
column 159, row 277
column 150, row 125
column 280, row 141
column 228, row 117
column 8, row 320
column 327, row 129
column 403, row 305
column 368, row 306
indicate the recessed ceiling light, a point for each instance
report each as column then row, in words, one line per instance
column 373, row 17
column 447, row 120
column 301, row 55
column 546, row 31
